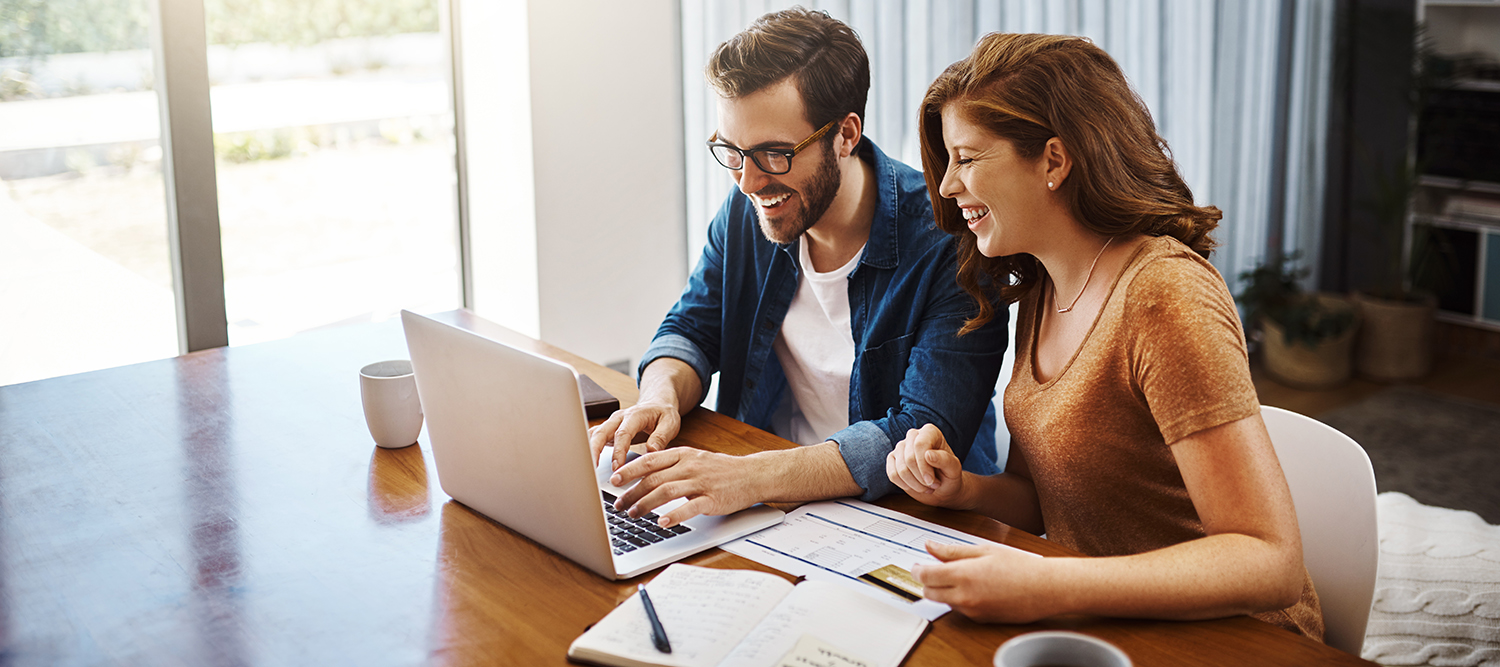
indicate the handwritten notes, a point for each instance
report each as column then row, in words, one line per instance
column 742, row 618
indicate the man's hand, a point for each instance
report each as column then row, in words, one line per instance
column 926, row 469
column 988, row 583
column 668, row 387
column 713, row 483
column 660, row 420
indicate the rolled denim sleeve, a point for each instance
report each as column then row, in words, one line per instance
column 681, row 348
column 692, row 330
column 864, row 447
column 947, row 380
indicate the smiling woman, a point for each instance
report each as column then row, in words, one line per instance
column 1127, row 184
column 1136, row 435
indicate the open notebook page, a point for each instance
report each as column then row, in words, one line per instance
column 705, row 611
column 855, row 624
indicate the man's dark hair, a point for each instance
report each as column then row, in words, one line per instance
column 830, row 65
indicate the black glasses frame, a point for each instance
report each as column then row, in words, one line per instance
column 756, row 153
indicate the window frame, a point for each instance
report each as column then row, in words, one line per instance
column 180, row 50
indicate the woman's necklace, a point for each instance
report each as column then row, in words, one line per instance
column 1086, row 280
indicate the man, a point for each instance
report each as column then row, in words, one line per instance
column 826, row 298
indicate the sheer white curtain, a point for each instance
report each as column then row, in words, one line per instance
column 1212, row 73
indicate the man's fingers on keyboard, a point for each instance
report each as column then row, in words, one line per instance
column 645, row 465
column 659, row 496
column 690, row 509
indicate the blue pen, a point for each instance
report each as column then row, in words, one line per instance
column 658, row 633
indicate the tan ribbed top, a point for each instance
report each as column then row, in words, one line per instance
column 1164, row 360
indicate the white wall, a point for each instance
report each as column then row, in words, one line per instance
column 577, row 225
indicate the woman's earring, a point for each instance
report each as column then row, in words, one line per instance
column 1049, row 185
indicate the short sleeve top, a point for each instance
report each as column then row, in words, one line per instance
column 1165, row 359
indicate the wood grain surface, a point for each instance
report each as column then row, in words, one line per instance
column 228, row 507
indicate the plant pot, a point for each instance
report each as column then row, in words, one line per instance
column 1321, row 366
column 1395, row 342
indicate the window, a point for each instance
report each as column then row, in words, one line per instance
column 333, row 134
column 334, row 156
column 85, row 274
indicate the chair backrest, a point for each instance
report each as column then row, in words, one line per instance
column 1333, row 487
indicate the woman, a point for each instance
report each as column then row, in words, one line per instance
column 1136, row 435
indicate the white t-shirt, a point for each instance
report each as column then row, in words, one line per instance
column 816, row 350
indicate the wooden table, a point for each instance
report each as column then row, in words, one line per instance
column 229, row 508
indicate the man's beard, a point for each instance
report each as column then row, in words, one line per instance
column 813, row 203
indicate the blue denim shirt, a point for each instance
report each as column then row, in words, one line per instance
column 910, row 366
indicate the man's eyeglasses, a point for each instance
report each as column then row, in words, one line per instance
column 770, row 160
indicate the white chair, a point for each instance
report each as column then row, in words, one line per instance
column 1333, row 487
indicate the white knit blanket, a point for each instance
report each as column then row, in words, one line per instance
column 1437, row 592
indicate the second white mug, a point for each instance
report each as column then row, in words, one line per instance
column 1064, row 649
column 393, row 412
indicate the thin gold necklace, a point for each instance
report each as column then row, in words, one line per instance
column 1086, row 280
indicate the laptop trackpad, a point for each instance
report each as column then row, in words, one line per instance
column 603, row 472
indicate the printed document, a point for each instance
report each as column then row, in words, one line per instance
column 857, row 545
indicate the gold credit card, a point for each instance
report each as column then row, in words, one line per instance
column 896, row 580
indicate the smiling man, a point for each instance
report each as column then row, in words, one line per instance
column 826, row 297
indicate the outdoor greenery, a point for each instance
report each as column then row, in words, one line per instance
column 251, row 146
column 35, row 28
column 304, row 22
column 45, row 27
column 17, row 85
column 287, row 142
column 1272, row 293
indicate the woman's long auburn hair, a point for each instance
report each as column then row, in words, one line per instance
column 1027, row 89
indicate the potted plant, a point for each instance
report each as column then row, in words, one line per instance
column 1395, row 342
column 1307, row 338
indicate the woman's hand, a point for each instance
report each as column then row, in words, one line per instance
column 925, row 468
column 988, row 583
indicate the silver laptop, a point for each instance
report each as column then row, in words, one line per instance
column 510, row 439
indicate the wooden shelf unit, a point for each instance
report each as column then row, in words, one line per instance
column 1457, row 251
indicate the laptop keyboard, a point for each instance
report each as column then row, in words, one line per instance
column 627, row 534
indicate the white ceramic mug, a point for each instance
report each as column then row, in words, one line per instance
column 1064, row 649
column 388, row 390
